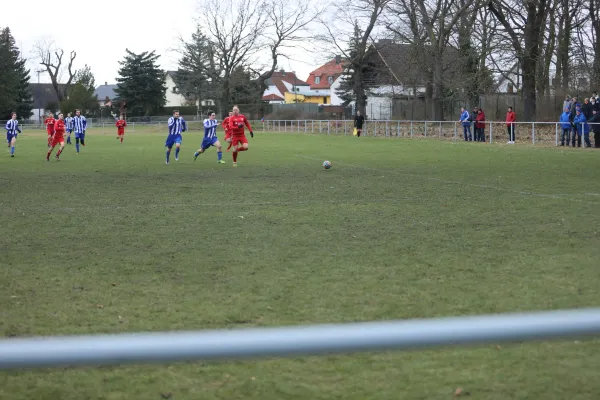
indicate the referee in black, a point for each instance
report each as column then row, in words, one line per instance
column 358, row 123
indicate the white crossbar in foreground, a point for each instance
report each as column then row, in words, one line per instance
column 320, row 339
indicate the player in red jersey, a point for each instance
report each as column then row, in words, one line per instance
column 58, row 137
column 121, row 124
column 49, row 122
column 225, row 126
column 238, row 137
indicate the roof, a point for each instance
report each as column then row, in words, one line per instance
column 272, row 97
column 104, row 91
column 44, row 94
column 408, row 64
column 278, row 78
column 332, row 68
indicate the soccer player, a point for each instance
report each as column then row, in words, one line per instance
column 121, row 124
column 12, row 127
column 176, row 127
column 238, row 137
column 69, row 126
column 58, row 137
column 49, row 122
column 225, row 126
column 210, row 138
column 79, row 127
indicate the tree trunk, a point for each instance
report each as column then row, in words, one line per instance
column 437, row 104
column 593, row 12
column 359, row 91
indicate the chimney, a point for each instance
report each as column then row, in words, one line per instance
column 105, row 83
column 338, row 59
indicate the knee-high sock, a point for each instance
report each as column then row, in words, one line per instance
column 77, row 144
column 168, row 154
column 59, row 151
column 219, row 155
column 235, row 154
column 177, row 152
column 12, row 150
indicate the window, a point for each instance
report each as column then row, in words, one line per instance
column 324, row 100
column 174, row 89
column 330, row 80
column 317, row 79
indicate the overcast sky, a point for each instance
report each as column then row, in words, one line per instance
column 101, row 31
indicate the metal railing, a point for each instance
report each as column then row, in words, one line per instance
column 550, row 133
column 493, row 131
column 320, row 339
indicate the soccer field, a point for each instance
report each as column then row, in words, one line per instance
column 114, row 240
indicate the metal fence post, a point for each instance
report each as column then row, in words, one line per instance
column 305, row 127
column 411, row 128
column 328, row 126
column 440, row 129
column 398, row 129
column 425, row 129
column 455, row 131
column 386, row 128
column 556, row 133
column 582, row 137
column 533, row 132
column 491, row 134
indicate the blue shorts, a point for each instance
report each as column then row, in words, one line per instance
column 69, row 131
column 172, row 140
column 80, row 135
column 10, row 136
column 207, row 142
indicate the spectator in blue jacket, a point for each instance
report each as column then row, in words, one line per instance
column 582, row 128
column 465, row 120
column 566, row 125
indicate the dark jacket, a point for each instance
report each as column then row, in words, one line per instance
column 358, row 121
column 586, row 109
column 595, row 123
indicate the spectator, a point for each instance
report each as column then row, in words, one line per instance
column 510, row 125
column 583, row 128
column 596, row 104
column 480, row 126
column 473, row 117
column 465, row 120
column 567, row 102
column 586, row 109
column 566, row 125
column 595, row 120
column 573, row 112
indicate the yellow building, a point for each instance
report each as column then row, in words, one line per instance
column 306, row 95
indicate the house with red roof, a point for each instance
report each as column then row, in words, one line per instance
column 279, row 84
column 327, row 78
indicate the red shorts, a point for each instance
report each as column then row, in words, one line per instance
column 49, row 140
column 238, row 139
column 57, row 139
column 120, row 133
column 227, row 135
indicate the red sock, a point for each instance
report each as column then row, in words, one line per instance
column 59, row 151
column 121, row 140
column 234, row 155
column 243, row 149
column 49, row 152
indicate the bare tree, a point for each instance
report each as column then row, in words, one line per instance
column 350, row 31
column 524, row 24
column 288, row 24
column 51, row 58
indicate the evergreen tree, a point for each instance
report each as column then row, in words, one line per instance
column 192, row 77
column 244, row 89
column 14, row 79
column 141, row 83
column 80, row 95
column 346, row 90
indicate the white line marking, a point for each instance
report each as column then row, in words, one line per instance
column 551, row 196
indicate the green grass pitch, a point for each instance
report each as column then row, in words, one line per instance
column 114, row 240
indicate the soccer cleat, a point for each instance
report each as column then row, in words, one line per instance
column 196, row 154
column 12, row 156
column 221, row 162
column 176, row 158
column 167, row 163
column 235, row 164
column 48, row 158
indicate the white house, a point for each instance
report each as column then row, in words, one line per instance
column 173, row 95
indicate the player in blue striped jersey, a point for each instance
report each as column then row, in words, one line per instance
column 210, row 138
column 176, row 126
column 12, row 128
column 79, row 127
column 69, row 126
